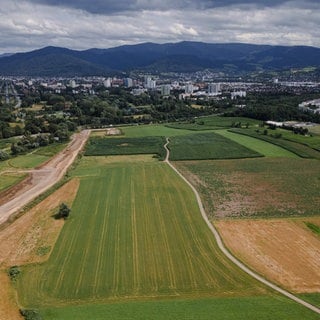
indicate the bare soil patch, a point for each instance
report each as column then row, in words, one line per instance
column 31, row 238
column 284, row 251
column 113, row 132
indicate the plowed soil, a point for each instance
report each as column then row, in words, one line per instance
column 284, row 251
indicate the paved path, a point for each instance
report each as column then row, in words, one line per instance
column 44, row 178
column 227, row 253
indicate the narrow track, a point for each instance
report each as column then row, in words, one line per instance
column 225, row 250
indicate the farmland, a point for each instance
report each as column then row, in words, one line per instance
column 258, row 145
column 277, row 238
column 240, row 308
column 207, row 146
column 120, row 146
column 265, row 187
column 214, row 123
column 299, row 149
column 141, row 223
column 135, row 245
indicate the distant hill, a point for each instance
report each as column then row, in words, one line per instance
column 177, row 57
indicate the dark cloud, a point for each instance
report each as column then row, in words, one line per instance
column 110, row 7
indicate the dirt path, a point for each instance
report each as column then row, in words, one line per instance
column 225, row 250
column 43, row 178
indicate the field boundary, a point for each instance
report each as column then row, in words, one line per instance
column 226, row 252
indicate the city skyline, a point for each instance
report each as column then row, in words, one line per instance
column 32, row 24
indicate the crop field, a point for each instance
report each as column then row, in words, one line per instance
column 241, row 308
column 135, row 232
column 207, row 146
column 299, row 149
column 258, row 145
column 283, row 250
column 264, row 187
column 121, row 146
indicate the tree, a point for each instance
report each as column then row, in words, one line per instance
column 64, row 211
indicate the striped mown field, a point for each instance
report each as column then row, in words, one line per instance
column 135, row 232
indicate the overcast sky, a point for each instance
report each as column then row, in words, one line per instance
column 81, row 24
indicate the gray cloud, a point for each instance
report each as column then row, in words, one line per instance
column 109, row 6
column 26, row 25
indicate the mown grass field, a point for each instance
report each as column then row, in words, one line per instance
column 202, row 146
column 135, row 232
column 265, row 187
column 299, row 149
column 242, row 308
column 258, row 145
column 122, row 146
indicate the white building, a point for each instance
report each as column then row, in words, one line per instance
column 107, row 83
column 150, row 83
column 238, row 94
column 72, row 84
column 214, row 89
column 188, row 88
column 165, row 90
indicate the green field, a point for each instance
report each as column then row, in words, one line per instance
column 258, row 145
column 7, row 180
column 152, row 130
column 213, row 123
column 265, row 187
column 202, row 146
column 311, row 141
column 243, row 308
column 30, row 160
column 135, row 232
column 121, row 146
column 313, row 298
column 299, row 149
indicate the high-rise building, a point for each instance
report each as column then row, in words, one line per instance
column 128, row 82
column 214, row 88
column 165, row 90
column 188, row 88
column 107, row 83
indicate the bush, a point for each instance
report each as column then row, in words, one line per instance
column 29, row 314
column 14, row 272
column 3, row 155
column 64, row 211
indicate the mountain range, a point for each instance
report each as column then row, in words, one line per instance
column 184, row 56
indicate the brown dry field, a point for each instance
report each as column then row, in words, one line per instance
column 283, row 250
column 30, row 239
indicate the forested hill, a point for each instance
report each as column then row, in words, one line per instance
column 177, row 57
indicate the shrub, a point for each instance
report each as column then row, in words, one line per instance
column 30, row 314
column 14, row 272
column 64, row 211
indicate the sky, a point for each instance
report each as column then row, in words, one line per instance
column 26, row 25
